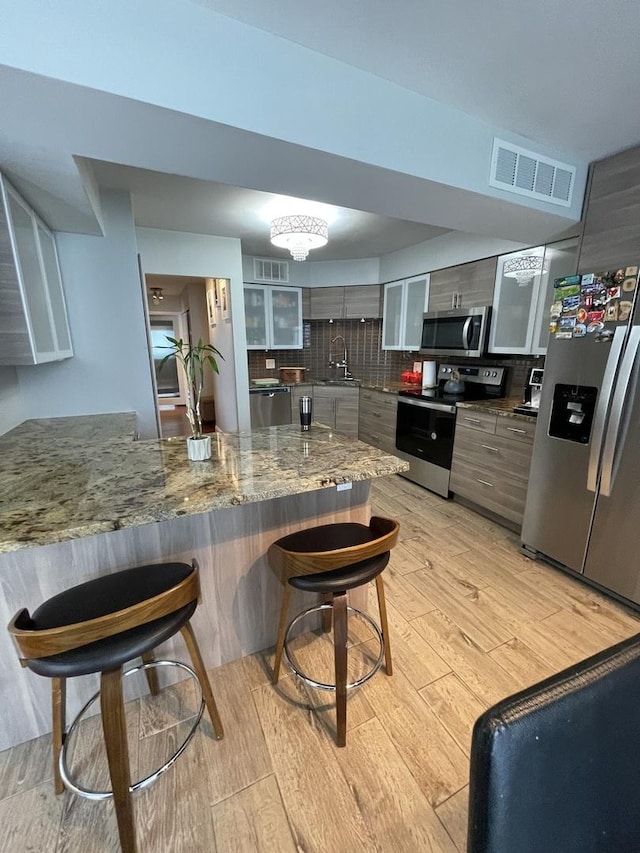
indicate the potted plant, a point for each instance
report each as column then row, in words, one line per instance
column 194, row 358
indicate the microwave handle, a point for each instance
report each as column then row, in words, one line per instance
column 466, row 333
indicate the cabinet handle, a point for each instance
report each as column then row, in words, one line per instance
column 453, row 300
column 472, row 420
column 484, row 482
column 488, row 447
column 515, row 429
column 376, row 414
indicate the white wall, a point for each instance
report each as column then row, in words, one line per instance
column 324, row 273
column 202, row 256
column 110, row 370
column 196, row 300
column 444, row 251
column 12, row 410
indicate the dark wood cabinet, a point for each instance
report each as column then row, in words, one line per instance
column 463, row 286
column 611, row 233
column 377, row 419
column 491, row 461
column 344, row 303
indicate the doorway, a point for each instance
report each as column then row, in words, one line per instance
column 170, row 380
column 177, row 308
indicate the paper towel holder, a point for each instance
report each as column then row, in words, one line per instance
column 429, row 374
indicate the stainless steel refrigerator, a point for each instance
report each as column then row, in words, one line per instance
column 583, row 499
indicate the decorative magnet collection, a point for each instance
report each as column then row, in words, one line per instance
column 582, row 304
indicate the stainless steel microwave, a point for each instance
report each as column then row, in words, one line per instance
column 461, row 331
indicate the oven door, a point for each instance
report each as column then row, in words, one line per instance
column 425, row 430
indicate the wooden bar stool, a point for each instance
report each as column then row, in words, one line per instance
column 331, row 559
column 97, row 627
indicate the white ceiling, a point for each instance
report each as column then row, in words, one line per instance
column 205, row 207
column 561, row 73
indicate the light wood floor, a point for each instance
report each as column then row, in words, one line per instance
column 471, row 621
column 173, row 422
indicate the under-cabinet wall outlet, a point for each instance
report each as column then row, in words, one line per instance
column 270, row 364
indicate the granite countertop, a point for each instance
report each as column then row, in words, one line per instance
column 503, row 407
column 67, row 478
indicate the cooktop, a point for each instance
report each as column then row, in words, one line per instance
column 479, row 382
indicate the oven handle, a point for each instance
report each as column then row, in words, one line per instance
column 466, row 333
column 427, row 404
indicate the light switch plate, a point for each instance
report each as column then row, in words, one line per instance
column 270, row 364
column 417, row 367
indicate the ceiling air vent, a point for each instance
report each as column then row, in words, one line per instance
column 527, row 173
column 266, row 270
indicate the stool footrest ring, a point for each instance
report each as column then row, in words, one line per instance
column 320, row 685
column 89, row 794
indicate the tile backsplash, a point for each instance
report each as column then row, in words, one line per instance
column 366, row 359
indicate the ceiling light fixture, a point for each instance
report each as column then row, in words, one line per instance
column 523, row 268
column 299, row 234
column 157, row 295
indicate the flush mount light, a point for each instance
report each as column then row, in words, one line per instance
column 157, row 295
column 523, row 268
column 299, row 234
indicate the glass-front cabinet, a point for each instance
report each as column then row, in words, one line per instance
column 34, row 326
column 523, row 296
column 404, row 304
column 273, row 317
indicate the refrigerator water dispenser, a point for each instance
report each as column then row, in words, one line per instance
column 572, row 412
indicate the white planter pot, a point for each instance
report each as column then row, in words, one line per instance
column 199, row 449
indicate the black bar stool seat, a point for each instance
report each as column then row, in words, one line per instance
column 332, row 559
column 101, row 597
column 342, row 580
column 96, row 627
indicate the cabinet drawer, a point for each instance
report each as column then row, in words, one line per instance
column 516, row 429
column 474, row 419
column 496, row 453
column 379, row 402
column 377, row 419
column 503, row 495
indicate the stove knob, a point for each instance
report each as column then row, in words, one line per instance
column 495, row 373
column 434, row 435
column 487, row 373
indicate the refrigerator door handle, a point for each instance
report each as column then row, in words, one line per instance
column 616, row 437
column 603, row 408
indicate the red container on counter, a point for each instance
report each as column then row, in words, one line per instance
column 411, row 377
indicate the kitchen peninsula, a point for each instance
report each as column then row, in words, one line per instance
column 79, row 497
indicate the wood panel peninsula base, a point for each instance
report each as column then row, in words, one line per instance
column 259, row 487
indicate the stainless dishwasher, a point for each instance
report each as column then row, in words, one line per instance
column 270, row 406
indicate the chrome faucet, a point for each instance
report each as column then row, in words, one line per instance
column 343, row 365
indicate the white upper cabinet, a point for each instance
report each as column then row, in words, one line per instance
column 273, row 317
column 33, row 316
column 404, row 304
column 520, row 319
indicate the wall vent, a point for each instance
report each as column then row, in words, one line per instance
column 266, row 270
column 526, row 173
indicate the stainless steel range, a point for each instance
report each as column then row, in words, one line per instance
column 426, row 421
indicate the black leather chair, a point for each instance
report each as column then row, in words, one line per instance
column 556, row 768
